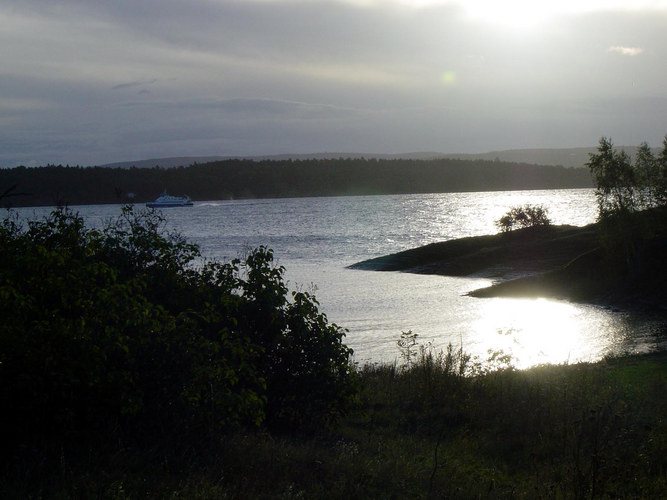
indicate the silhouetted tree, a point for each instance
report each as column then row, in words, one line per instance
column 615, row 179
column 522, row 217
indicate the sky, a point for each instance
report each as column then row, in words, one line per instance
column 89, row 82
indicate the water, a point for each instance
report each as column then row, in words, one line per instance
column 316, row 238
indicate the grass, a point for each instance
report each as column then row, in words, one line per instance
column 443, row 427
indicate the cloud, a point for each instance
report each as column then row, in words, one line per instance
column 262, row 77
column 134, row 84
column 245, row 110
column 627, row 51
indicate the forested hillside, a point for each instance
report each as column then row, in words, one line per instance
column 233, row 179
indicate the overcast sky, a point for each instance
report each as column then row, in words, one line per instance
column 96, row 81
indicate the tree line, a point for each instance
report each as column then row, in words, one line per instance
column 239, row 179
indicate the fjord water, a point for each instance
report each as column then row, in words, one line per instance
column 316, row 238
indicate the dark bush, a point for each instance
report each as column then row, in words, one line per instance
column 116, row 335
column 521, row 217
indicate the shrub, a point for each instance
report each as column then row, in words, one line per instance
column 114, row 334
column 521, row 217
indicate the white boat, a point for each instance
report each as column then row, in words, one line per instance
column 165, row 200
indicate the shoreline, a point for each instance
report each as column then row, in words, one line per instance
column 557, row 262
column 502, row 257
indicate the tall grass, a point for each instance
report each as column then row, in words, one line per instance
column 442, row 427
column 580, row 431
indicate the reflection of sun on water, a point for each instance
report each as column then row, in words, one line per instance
column 532, row 331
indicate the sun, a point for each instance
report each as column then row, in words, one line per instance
column 528, row 14
column 509, row 13
column 518, row 14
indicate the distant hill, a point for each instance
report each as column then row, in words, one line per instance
column 566, row 157
column 186, row 161
column 179, row 161
column 569, row 157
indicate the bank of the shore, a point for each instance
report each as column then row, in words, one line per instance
column 502, row 256
column 564, row 262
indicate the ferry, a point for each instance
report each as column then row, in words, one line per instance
column 166, row 201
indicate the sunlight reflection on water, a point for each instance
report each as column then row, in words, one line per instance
column 537, row 331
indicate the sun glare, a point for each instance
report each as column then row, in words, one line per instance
column 534, row 331
column 520, row 14
column 526, row 14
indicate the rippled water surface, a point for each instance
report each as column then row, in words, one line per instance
column 316, row 238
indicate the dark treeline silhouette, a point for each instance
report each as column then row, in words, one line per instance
column 235, row 179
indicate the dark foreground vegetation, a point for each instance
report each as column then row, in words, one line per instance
column 114, row 339
column 427, row 431
column 129, row 368
column 236, row 179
